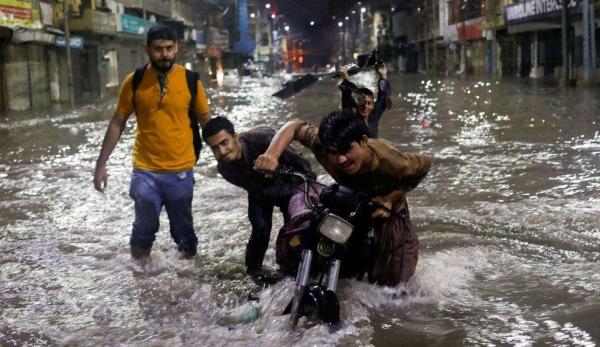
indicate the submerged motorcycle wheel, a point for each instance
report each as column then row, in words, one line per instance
column 326, row 302
column 320, row 302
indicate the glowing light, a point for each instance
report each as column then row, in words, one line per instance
column 363, row 10
column 312, row 23
column 252, row 15
column 267, row 5
column 220, row 76
column 340, row 24
column 347, row 18
column 287, row 28
column 273, row 16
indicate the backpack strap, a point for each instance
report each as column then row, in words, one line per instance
column 137, row 79
column 192, row 78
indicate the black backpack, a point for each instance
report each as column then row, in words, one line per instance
column 191, row 78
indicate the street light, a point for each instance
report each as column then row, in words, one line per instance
column 340, row 24
column 312, row 23
column 267, row 5
column 287, row 28
column 363, row 10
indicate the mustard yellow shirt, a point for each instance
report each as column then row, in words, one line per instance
column 163, row 138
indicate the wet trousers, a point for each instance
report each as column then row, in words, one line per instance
column 397, row 250
column 151, row 191
column 260, row 214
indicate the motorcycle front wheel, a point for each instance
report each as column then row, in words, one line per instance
column 317, row 302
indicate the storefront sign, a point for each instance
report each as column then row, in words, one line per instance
column 200, row 38
column 533, row 8
column 217, row 37
column 16, row 13
column 469, row 31
column 132, row 25
column 76, row 41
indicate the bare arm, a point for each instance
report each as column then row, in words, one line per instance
column 111, row 138
column 344, row 73
column 203, row 118
column 269, row 160
column 382, row 71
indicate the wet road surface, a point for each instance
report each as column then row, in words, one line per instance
column 507, row 219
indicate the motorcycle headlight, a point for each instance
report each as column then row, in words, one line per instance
column 335, row 228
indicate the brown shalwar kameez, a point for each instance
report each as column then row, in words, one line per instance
column 390, row 171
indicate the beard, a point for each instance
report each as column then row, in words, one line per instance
column 163, row 65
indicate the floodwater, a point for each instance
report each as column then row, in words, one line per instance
column 507, row 219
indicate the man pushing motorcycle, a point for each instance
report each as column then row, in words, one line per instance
column 371, row 167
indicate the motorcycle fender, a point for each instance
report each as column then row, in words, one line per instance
column 326, row 303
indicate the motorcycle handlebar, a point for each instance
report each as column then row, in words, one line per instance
column 284, row 172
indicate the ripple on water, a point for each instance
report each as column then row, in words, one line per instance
column 507, row 224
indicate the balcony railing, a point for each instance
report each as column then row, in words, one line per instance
column 161, row 7
column 95, row 21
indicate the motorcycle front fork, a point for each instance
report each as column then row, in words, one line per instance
column 333, row 274
column 302, row 281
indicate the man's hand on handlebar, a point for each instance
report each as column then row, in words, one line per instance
column 384, row 209
column 266, row 163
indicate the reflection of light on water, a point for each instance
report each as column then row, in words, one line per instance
column 507, row 225
column 479, row 135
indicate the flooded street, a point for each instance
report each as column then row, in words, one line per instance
column 507, row 221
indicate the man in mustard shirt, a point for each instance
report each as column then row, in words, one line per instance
column 163, row 153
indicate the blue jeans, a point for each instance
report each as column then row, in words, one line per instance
column 151, row 191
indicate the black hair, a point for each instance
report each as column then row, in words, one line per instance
column 339, row 129
column 215, row 125
column 366, row 91
column 160, row 32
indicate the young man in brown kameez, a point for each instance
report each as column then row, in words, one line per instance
column 371, row 167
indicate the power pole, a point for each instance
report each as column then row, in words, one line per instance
column 433, row 52
column 593, row 39
column 426, row 38
column 495, row 59
column 585, row 8
column 565, row 77
column 68, row 43
column 463, row 44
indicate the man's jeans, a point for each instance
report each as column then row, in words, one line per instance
column 151, row 191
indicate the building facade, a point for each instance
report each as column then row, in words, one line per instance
column 106, row 44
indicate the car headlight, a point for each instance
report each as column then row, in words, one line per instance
column 335, row 228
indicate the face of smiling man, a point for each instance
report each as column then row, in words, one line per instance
column 225, row 146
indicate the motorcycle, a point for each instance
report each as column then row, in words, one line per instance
column 333, row 237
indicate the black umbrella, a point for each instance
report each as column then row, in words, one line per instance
column 291, row 88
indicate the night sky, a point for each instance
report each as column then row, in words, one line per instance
column 320, row 37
